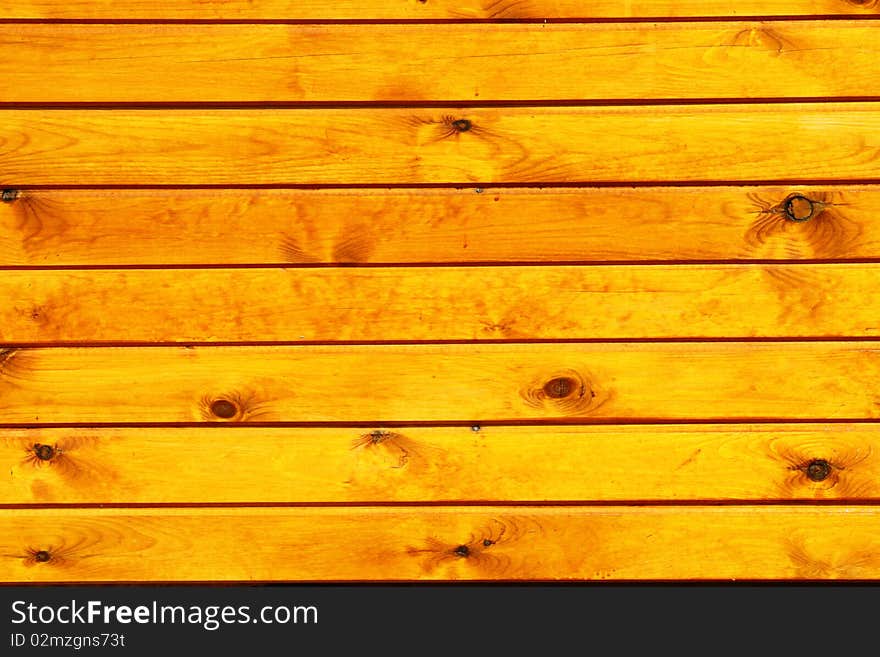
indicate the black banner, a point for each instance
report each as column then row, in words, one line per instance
column 459, row 619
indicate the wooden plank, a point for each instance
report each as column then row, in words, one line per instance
column 52, row 227
column 424, row 9
column 832, row 141
column 441, row 464
column 440, row 543
column 42, row 63
column 440, row 303
column 464, row 383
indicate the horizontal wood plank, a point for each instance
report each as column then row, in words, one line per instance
column 42, row 63
column 440, row 464
column 442, row 543
column 824, row 141
column 71, row 227
column 440, row 303
column 464, row 383
column 424, row 9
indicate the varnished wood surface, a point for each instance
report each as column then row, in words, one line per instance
column 632, row 373
column 440, row 303
column 456, row 543
column 423, row 10
column 763, row 462
column 399, row 63
column 446, row 382
column 832, row 141
column 71, row 227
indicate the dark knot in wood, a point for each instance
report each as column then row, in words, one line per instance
column 462, row 551
column 798, row 207
column 8, row 195
column 559, row 387
column 42, row 556
column 223, row 408
column 461, row 125
column 44, row 452
column 818, row 470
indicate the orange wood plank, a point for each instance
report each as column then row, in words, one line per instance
column 440, row 303
column 440, row 543
column 427, row 9
column 463, row 383
column 95, row 465
column 43, row 63
column 272, row 226
column 835, row 141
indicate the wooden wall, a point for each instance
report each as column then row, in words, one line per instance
column 300, row 290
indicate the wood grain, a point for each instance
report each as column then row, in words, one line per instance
column 71, row 227
column 440, row 464
column 394, row 543
column 825, row 141
column 42, row 63
column 429, row 9
column 440, row 303
column 464, row 383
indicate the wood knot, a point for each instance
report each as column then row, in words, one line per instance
column 461, row 125
column 224, row 409
column 44, row 452
column 462, row 551
column 8, row 195
column 378, row 436
column 798, row 207
column 564, row 391
column 818, row 470
column 559, row 387
column 42, row 556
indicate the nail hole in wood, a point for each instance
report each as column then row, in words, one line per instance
column 223, row 408
column 42, row 556
column 818, row 470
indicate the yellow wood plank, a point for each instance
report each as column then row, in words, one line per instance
column 440, row 464
column 440, row 543
column 425, row 9
column 440, row 303
column 462, row 62
column 828, row 141
column 468, row 383
column 270, row 226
